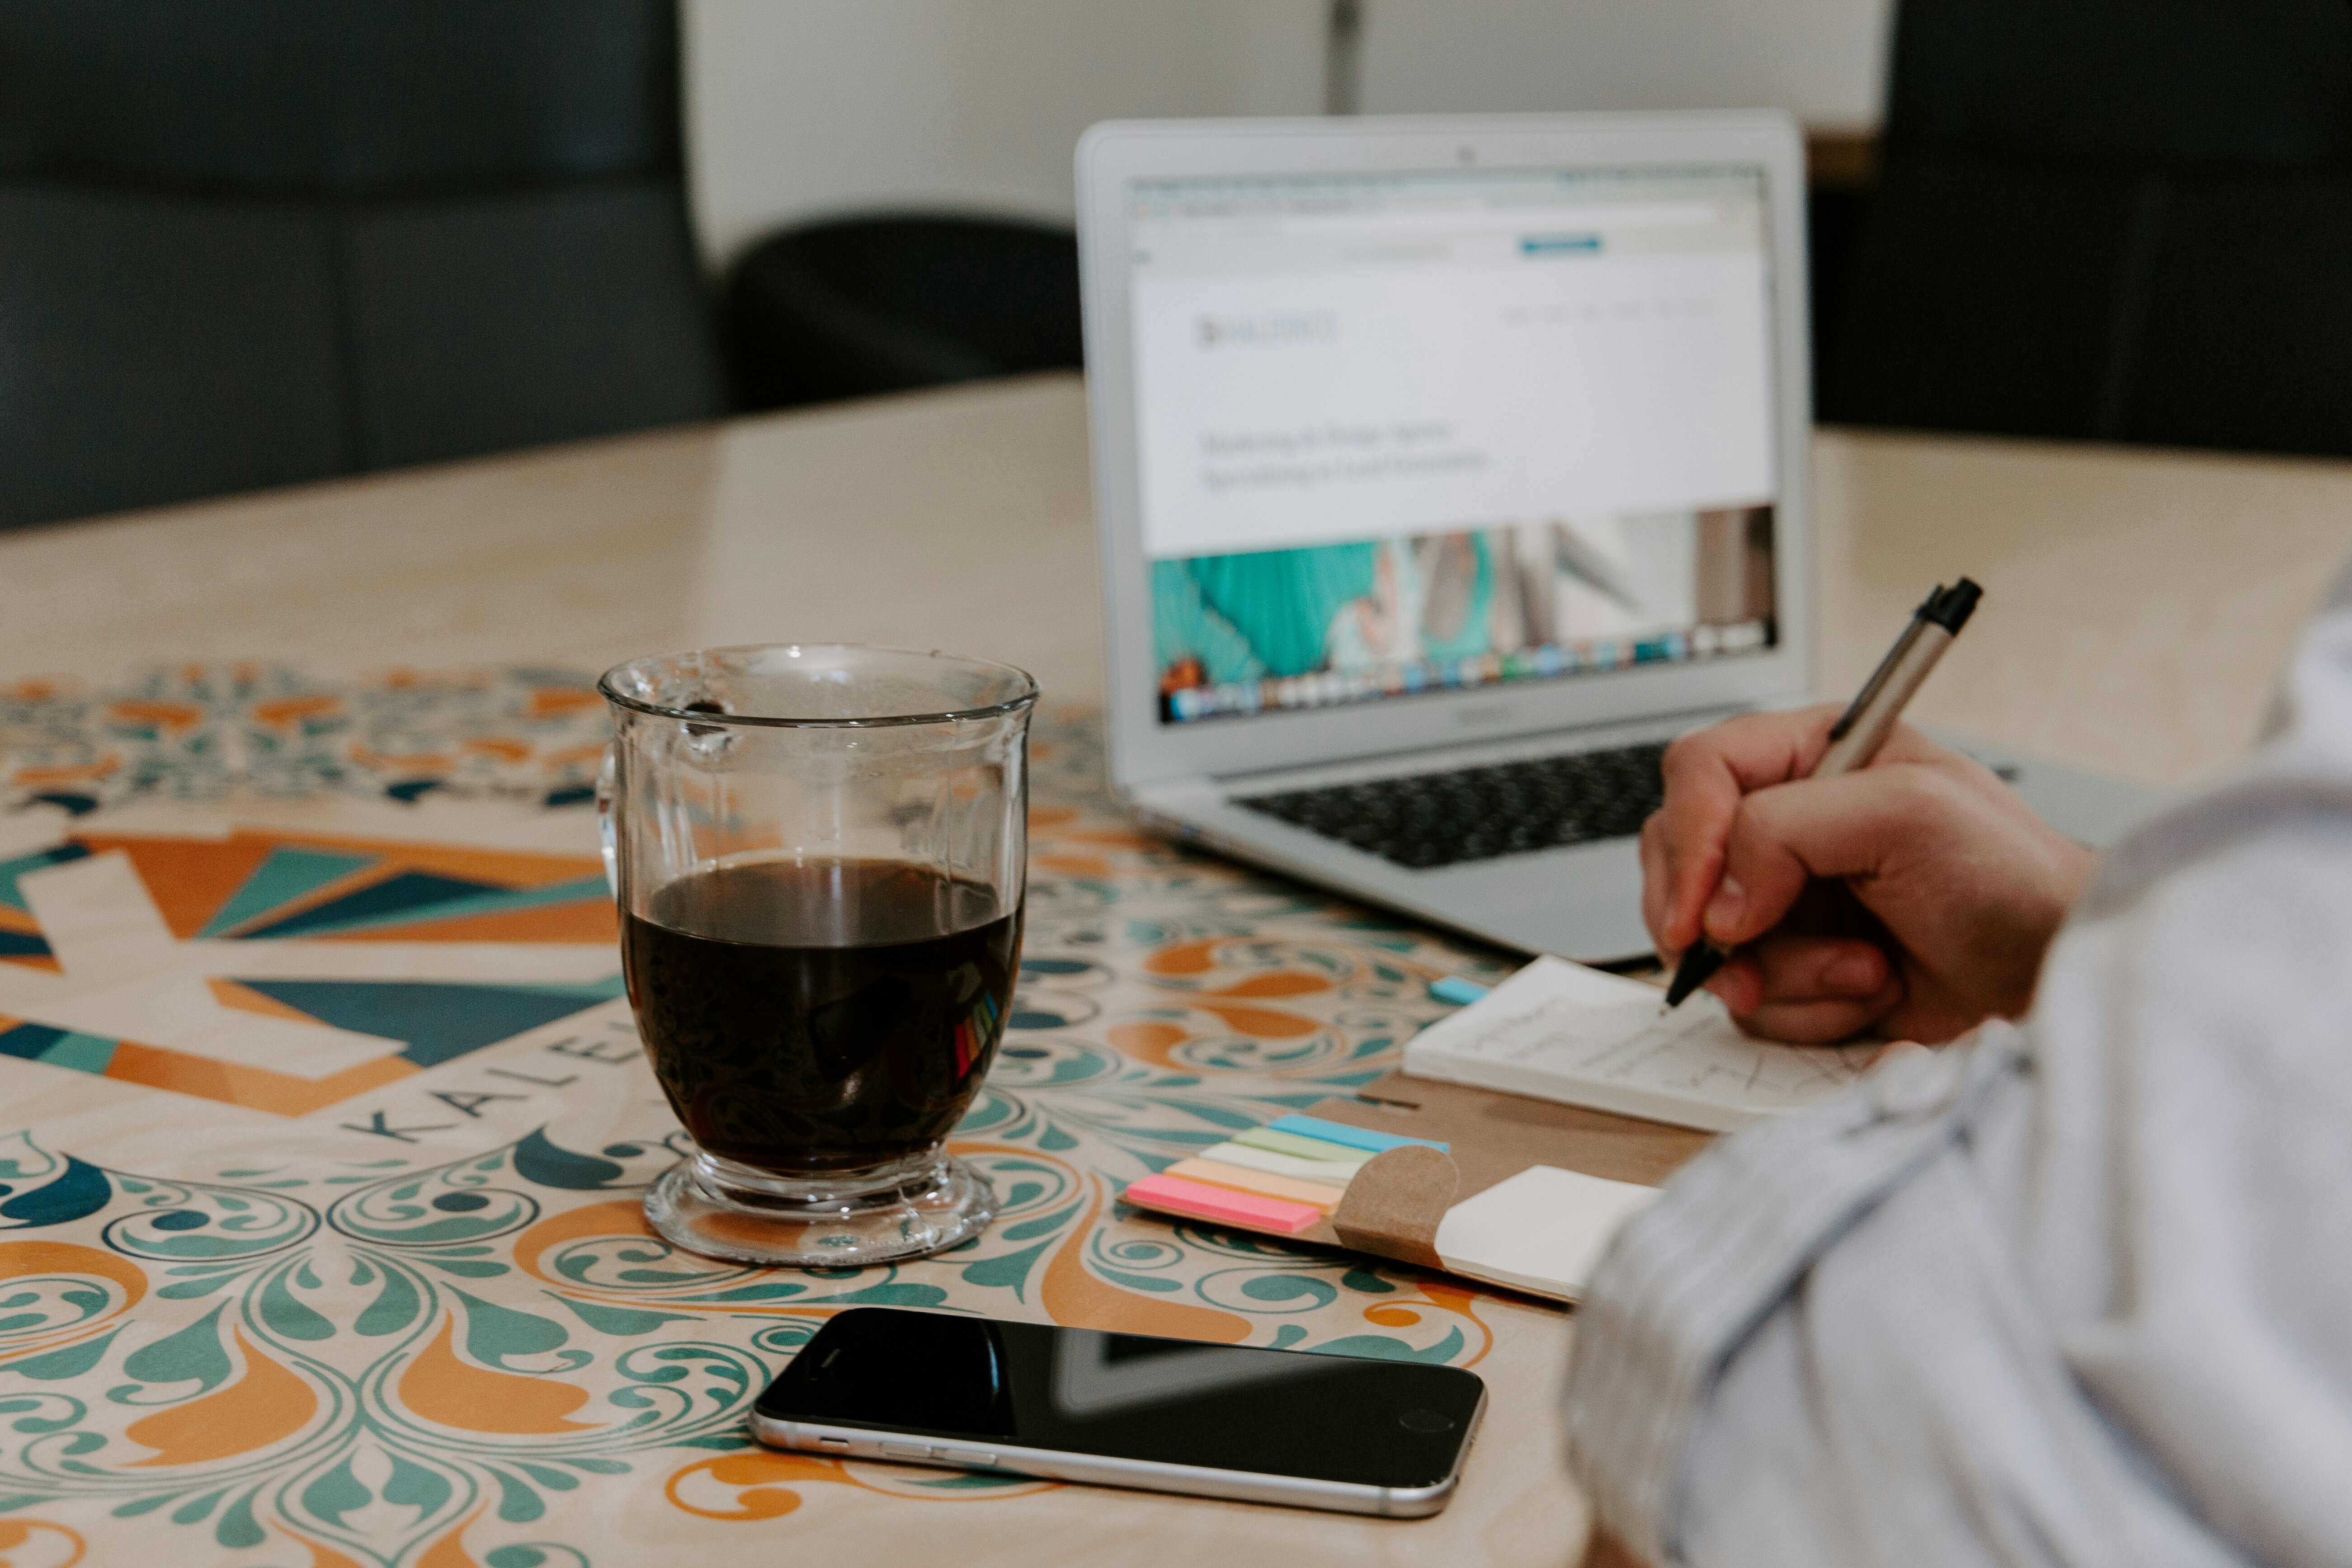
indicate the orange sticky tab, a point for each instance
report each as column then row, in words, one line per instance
column 1323, row 1199
column 1179, row 1196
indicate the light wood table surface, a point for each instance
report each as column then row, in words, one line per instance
column 2138, row 603
column 2139, row 606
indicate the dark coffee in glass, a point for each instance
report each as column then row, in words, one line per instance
column 810, row 1019
column 820, row 855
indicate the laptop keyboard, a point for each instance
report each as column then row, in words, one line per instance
column 1426, row 820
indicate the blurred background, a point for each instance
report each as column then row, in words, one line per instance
column 253, row 242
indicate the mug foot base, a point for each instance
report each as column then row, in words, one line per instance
column 946, row 1202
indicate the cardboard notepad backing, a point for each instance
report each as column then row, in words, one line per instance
column 1397, row 1202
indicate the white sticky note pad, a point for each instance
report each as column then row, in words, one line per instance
column 1542, row 1230
column 1560, row 1031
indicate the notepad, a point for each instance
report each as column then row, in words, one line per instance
column 1542, row 1230
column 1563, row 1032
column 1539, row 1229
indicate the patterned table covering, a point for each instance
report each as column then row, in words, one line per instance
column 323, row 1123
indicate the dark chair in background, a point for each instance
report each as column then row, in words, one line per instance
column 853, row 306
column 1841, row 180
column 248, row 242
column 2113, row 219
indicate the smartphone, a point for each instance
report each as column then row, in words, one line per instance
column 1347, row 1433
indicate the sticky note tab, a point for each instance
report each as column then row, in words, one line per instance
column 1340, row 1133
column 1291, row 1144
column 1543, row 1230
column 1456, row 990
column 1222, row 1203
column 1315, row 1196
column 1334, row 1173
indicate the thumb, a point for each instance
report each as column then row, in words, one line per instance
column 1783, row 836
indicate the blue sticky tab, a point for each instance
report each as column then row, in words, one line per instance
column 1456, row 990
column 1559, row 244
column 1340, row 1133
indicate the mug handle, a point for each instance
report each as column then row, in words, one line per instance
column 607, row 788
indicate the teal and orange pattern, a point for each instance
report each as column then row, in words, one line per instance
column 261, row 887
column 389, row 1300
column 197, row 732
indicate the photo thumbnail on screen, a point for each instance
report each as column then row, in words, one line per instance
column 1276, row 630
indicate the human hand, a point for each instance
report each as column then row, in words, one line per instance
column 1914, row 898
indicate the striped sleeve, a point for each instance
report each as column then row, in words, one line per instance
column 1690, row 1278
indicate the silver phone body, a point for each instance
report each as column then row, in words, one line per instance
column 1097, row 1469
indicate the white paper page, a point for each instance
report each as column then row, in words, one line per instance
column 1543, row 1230
column 1560, row 1031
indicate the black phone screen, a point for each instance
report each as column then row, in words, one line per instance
column 1282, row 1413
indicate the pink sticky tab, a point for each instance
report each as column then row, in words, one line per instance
column 1216, row 1203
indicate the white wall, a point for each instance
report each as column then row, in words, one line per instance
column 797, row 106
column 1822, row 61
column 802, row 107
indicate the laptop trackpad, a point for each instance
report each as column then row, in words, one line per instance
column 1583, row 904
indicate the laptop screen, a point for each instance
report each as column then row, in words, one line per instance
column 1414, row 433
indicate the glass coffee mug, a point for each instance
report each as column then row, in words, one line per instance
column 820, row 854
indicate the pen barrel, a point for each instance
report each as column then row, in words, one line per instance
column 1891, row 693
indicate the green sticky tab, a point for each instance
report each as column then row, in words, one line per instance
column 1291, row 1144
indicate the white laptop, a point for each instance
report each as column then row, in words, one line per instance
column 1447, row 470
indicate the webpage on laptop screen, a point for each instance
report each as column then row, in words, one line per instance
column 1411, row 433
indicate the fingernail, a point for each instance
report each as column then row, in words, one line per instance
column 1724, row 909
column 1855, row 974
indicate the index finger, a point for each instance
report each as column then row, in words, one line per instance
column 1708, row 773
